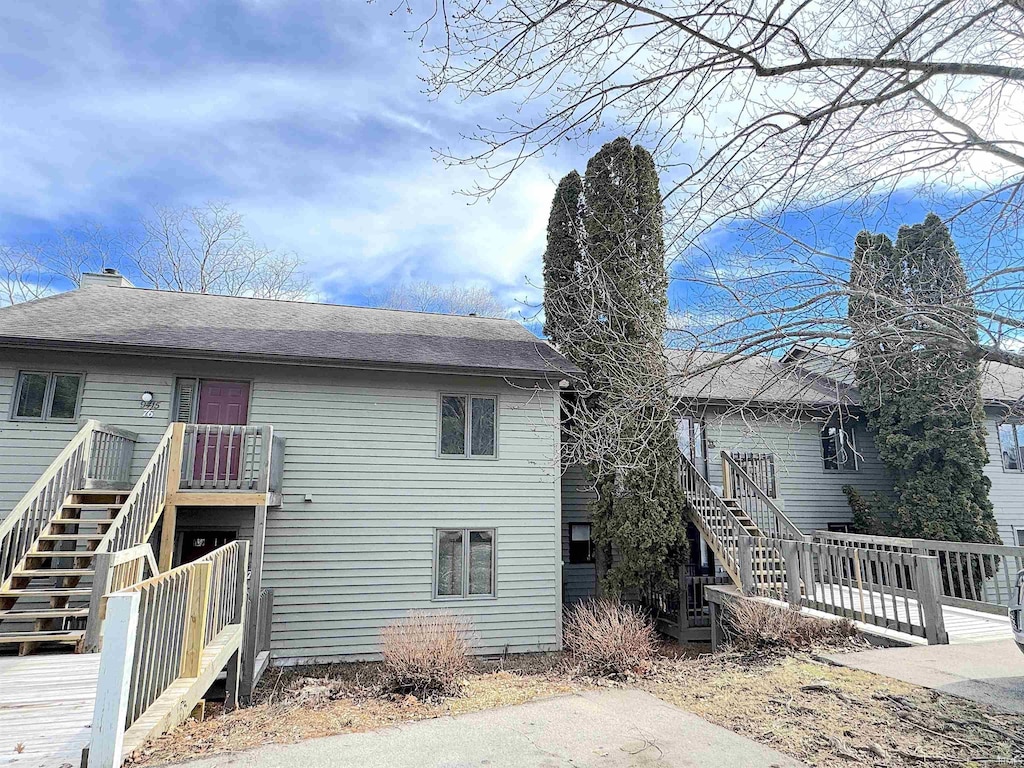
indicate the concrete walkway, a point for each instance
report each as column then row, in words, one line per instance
column 990, row 673
column 606, row 729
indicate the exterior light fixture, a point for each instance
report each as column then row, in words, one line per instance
column 147, row 398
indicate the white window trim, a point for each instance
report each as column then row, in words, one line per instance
column 465, row 596
column 51, row 382
column 849, row 429
column 1018, row 535
column 1017, row 444
column 468, row 425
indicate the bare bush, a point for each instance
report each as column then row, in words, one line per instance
column 425, row 654
column 606, row 638
column 757, row 626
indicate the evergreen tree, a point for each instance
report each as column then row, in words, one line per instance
column 605, row 307
column 922, row 396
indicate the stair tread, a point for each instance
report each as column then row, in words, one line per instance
column 70, row 536
column 44, row 613
column 40, row 572
column 47, row 554
column 60, row 635
column 48, row 592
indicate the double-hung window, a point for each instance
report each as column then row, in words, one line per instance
column 838, row 447
column 464, row 562
column 45, row 396
column 469, row 426
column 1011, row 446
column 581, row 550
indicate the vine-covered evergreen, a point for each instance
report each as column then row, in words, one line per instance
column 605, row 307
column 922, row 394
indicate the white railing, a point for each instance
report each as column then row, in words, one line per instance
column 89, row 454
column 895, row 590
column 115, row 571
column 752, row 497
column 165, row 640
column 759, row 468
column 145, row 503
column 980, row 577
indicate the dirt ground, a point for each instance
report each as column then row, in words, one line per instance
column 816, row 712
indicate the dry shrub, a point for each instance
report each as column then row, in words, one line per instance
column 425, row 654
column 606, row 638
column 755, row 626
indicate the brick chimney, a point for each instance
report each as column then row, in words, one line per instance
column 109, row 277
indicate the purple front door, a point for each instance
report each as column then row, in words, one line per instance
column 226, row 403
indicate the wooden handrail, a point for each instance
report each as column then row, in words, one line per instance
column 165, row 640
column 41, row 503
column 973, row 575
column 763, row 510
column 145, row 503
column 114, row 571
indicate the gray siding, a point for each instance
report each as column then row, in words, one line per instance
column 579, row 580
column 811, row 496
column 363, row 445
column 1007, row 493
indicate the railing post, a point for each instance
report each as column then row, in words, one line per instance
column 727, row 489
column 684, row 614
column 170, row 516
column 94, row 623
column 234, row 668
column 746, row 564
column 928, row 591
column 106, row 739
column 791, row 555
column 195, row 626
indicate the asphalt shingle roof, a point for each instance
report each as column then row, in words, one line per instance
column 143, row 320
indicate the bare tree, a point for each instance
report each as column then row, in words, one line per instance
column 196, row 249
column 209, row 250
column 776, row 124
column 452, row 299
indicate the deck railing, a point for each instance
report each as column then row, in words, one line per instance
column 749, row 491
column 142, row 509
column 165, row 640
column 114, row 572
column 891, row 589
column 759, row 468
column 110, row 457
column 980, row 577
column 89, row 454
column 224, row 457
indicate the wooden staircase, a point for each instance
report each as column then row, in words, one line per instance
column 45, row 600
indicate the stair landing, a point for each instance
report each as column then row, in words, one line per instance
column 46, row 705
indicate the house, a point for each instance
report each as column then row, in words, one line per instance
column 378, row 461
column 795, row 424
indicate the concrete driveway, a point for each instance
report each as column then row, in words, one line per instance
column 990, row 673
column 605, row 729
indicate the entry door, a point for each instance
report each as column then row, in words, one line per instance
column 195, row 544
column 226, row 403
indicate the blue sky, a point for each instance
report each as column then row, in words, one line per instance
column 307, row 117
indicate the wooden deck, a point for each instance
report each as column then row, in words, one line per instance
column 962, row 625
column 46, row 707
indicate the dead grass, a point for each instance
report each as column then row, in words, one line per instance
column 303, row 703
column 818, row 713
column 833, row 716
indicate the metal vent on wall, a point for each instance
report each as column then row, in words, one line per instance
column 185, row 400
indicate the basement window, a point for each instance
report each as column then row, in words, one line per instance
column 581, row 550
column 469, row 426
column 464, row 563
column 47, row 396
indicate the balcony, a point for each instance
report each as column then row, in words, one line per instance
column 228, row 465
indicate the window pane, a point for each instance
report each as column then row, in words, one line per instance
column 847, row 450
column 1008, row 447
column 33, row 392
column 483, row 426
column 579, row 543
column 65, row 396
column 829, row 450
column 449, row 563
column 481, row 553
column 453, row 425
column 683, row 438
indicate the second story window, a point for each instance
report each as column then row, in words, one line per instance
column 47, row 396
column 469, row 426
column 838, row 447
column 1011, row 446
